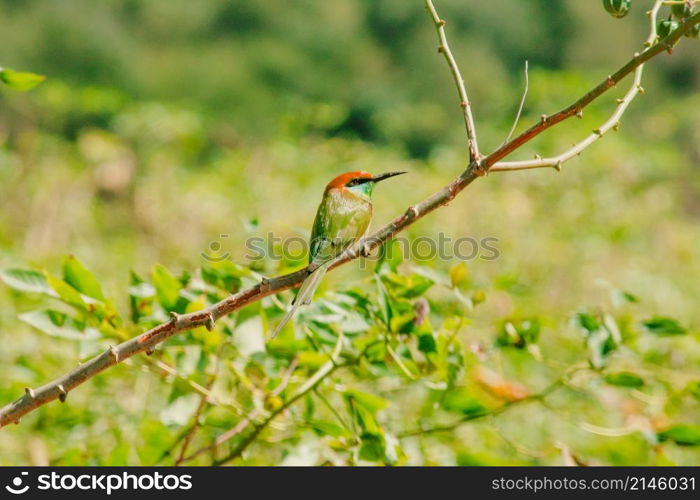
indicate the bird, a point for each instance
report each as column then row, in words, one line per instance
column 342, row 219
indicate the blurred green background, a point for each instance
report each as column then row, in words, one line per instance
column 164, row 124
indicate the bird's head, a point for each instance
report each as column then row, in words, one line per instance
column 360, row 182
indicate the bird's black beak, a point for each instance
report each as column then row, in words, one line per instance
column 381, row 177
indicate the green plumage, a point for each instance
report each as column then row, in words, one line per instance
column 343, row 218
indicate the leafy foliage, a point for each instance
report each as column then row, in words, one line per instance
column 388, row 338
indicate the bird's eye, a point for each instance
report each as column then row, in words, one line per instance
column 353, row 182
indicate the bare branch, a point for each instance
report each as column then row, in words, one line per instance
column 203, row 401
column 540, row 396
column 622, row 104
column 612, row 123
column 444, row 48
column 520, row 107
column 146, row 342
column 321, row 374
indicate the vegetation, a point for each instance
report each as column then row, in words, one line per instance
column 167, row 136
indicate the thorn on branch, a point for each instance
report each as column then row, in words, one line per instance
column 209, row 324
column 579, row 114
column 441, row 23
column 610, row 82
column 17, row 421
column 365, row 249
column 149, row 351
column 619, row 101
column 174, row 316
column 558, row 165
column 464, row 104
column 264, row 284
column 640, row 89
column 598, row 132
column 543, row 118
column 113, row 353
column 29, row 392
column 62, row 393
column 441, row 49
column 616, row 127
column 453, row 192
column 412, row 212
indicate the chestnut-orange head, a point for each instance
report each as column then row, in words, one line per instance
column 359, row 181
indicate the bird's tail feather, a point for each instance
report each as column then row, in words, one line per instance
column 306, row 293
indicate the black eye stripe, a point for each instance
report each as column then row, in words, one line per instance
column 358, row 180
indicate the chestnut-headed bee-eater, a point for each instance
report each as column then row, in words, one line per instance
column 342, row 219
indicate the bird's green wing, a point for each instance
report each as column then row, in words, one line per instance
column 341, row 220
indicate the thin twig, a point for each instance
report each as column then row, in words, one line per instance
column 203, row 400
column 335, row 412
column 444, row 48
column 166, row 368
column 254, row 414
column 146, row 342
column 326, row 369
column 520, row 107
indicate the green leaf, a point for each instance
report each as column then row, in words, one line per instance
column 311, row 359
column 664, row 326
column 225, row 275
column 402, row 323
column 370, row 402
column 18, row 80
column 426, row 343
column 26, row 280
column 587, row 321
column 77, row 276
column 67, row 293
column 682, row 434
column 406, row 286
column 326, row 428
column 167, row 287
column 624, row 379
column 373, row 448
column 365, row 419
column 464, row 403
column 54, row 323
